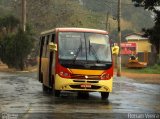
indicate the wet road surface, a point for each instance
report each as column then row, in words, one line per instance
column 21, row 96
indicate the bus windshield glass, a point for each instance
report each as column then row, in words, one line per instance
column 83, row 47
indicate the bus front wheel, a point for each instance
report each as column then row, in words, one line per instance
column 104, row 95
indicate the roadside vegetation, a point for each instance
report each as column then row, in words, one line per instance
column 15, row 45
column 48, row 14
column 148, row 70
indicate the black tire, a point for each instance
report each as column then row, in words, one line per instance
column 104, row 95
column 57, row 93
column 50, row 90
column 41, row 77
column 45, row 88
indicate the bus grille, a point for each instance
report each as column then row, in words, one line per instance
column 88, row 81
column 90, row 77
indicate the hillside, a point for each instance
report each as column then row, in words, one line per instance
column 132, row 17
column 46, row 14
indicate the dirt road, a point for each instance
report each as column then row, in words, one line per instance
column 21, row 95
column 144, row 78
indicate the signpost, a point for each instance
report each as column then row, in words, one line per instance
column 128, row 48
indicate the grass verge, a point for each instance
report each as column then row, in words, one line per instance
column 148, row 70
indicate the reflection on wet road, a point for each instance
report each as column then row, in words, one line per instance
column 21, row 93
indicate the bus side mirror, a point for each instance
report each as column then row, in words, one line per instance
column 52, row 46
column 115, row 50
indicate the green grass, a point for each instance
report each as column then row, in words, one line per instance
column 148, row 70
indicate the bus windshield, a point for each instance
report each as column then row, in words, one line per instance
column 84, row 47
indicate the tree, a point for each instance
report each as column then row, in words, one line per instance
column 114, row 34
column 23, row 43
column 15, row 49
column 15, row 45
column 9, row 24
column 153, row 33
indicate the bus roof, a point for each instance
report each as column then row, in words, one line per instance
column 75, row 30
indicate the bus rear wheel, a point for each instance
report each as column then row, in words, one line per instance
column 57, row 93
column 104, row 95
column 45, row 88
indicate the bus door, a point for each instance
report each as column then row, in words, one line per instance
column 51, row 68
column 41, row 44
column 45, row 61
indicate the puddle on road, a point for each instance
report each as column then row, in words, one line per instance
column 127, row 96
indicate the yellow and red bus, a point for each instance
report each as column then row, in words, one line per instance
column 76, row 59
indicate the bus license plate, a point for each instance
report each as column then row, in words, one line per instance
column 85, row 85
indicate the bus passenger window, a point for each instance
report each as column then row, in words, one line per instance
column 41, row 45
column 47, row 40
column 46, row 45
column 53, row 38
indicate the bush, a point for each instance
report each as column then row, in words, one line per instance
column 15, row 45
column 16, row 49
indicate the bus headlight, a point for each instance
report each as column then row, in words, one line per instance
column 105, row 76
column 64, row 74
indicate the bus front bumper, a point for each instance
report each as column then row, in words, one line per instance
column 83, row 84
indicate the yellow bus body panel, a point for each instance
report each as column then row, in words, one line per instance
column 86, row 72
column 65, row 84
column 45, row 65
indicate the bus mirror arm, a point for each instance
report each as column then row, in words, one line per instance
column 52, row 46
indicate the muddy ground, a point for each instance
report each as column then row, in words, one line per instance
column 21, row 97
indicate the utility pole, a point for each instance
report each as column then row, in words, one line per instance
column 119, row 37
column 23, row 15
column 107, row 19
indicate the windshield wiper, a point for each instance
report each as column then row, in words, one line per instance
column 91, row 48
column 78, row 51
